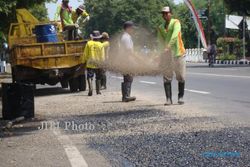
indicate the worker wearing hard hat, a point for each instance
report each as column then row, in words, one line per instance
column 173, row 51
column 94, row 54
column 80, row 15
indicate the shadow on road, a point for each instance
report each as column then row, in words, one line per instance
column 25, row 127
column 50, row 91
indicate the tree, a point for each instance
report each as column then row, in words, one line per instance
column 109, row 15
column 8, row 11
column 242, row 8
column 217, row 16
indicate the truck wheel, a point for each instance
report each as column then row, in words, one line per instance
column 73, row 85
column 64, row 84
column 82, row 82
column 13, row 75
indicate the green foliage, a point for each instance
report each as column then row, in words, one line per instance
column 227, row 57
column 8, row 11
column 229, row 46
column 239, row 6
column 109, row 15
column 217, row 16
column 40, row 12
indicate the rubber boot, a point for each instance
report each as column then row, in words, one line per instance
column 168, row 92
column 129, row 84
column 181, row 87
column 126, row 89
column 104, row 82
column 90, row 83
column 98, row 87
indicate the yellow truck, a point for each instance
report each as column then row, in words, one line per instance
column 44, row 62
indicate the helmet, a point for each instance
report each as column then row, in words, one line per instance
column 105, row 35
column 81, row 7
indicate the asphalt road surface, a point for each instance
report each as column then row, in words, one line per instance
column 222, row 90
column 211, row 129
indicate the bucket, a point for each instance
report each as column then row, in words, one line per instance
column 46, row 33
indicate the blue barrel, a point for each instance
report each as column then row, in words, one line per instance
column 46, row 33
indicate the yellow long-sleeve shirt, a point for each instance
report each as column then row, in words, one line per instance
column 93, row 54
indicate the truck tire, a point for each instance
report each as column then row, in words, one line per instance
column 13, row 75
column 73, row 84
column 82, row 82
column 64, row 84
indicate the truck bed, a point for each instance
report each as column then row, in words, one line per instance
column 46, row 56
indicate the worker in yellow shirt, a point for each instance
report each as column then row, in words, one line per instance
column 93, row 55
column 106, row 45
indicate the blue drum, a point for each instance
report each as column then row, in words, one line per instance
column 46, row 33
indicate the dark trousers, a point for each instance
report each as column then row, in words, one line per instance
column 91, row 72
column 127, row 78
column 104, row 78
column 72, row 32
column 211, row 58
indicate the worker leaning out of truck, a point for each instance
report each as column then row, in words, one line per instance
column 80, row 16
column 70, row 19
column 93, row 55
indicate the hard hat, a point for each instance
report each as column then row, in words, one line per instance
column 166, row 9
column 105, row 35
column 81, row 7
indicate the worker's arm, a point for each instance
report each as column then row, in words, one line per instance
column 176, row 32
column 57, row 14
column 83, row 19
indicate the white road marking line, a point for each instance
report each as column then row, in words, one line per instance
column 220, row 75
column 117, row 77
column 74, row 156
column 197, row 91
column 228, row 69
column 147, row 82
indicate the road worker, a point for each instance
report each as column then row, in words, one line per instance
column 94, row 54
column 80, row 17
column 127, row 49
column 64, row 11
column 170, row 41
column 106, row 44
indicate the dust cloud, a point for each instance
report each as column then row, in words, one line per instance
column 145, row 60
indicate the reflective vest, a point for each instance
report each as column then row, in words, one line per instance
column 170, row 36
column 65, row 15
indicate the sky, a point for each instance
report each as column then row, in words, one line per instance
column 74, row 3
